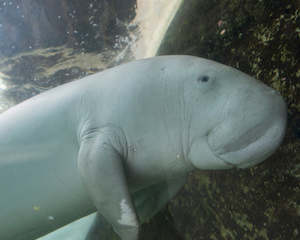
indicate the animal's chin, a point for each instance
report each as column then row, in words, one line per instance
column 247, row 149
column 239, row 159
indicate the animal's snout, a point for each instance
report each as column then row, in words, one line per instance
column 253, row 127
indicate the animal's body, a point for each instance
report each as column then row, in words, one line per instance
column 112, row 140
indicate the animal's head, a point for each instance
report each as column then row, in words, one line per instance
column 236, row 121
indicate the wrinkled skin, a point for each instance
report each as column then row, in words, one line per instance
column 122, row 141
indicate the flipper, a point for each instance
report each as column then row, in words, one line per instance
column 147, row 203
column 100, row 163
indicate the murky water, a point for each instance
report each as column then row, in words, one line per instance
column 132, row 33
column 44, row 44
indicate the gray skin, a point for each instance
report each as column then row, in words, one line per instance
column 122, row 141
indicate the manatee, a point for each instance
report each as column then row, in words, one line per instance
column 121, row 142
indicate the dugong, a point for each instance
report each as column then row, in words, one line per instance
column 121, row 142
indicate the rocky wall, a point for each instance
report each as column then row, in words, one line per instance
column 261, row 38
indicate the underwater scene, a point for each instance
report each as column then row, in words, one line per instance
column 149, row 119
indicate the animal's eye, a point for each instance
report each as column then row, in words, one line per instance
column 203, row 78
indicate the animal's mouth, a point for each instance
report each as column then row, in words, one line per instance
column 250, row 136
column 236, row 148
column 251, row 128
column 246, row 148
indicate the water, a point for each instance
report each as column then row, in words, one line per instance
column 46, row 44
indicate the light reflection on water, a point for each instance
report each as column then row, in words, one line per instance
column 35, row 67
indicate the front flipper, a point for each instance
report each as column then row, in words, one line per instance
column 101, row 166
column 148, row 202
